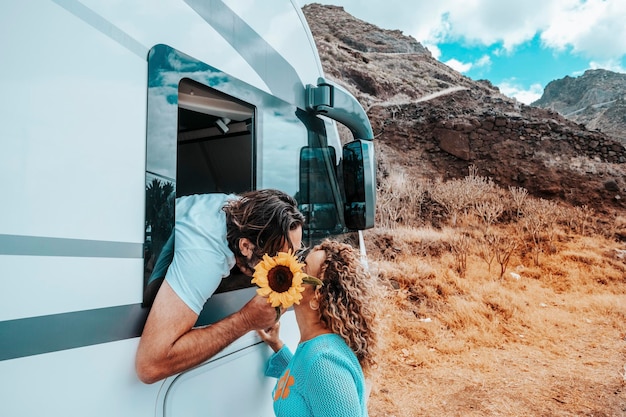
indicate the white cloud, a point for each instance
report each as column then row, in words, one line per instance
column 488, row 22
column 458, row 65
column 484, row 61
column 593, row 28
column 611, row 65
column 463, row 67
column 434, row 50
column 512, row 89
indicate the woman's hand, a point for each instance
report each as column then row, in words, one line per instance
column 271, row 336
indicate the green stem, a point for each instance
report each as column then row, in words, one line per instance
column 308, row 279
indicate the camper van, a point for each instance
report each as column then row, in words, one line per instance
column 112, row 109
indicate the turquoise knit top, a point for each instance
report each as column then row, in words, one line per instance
column 323, row 378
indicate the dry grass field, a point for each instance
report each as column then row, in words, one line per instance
column 507, row 306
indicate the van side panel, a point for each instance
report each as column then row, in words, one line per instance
column 72, row 153
column 54, row 285
column 91, row 381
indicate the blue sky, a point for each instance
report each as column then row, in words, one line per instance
column 518, row 45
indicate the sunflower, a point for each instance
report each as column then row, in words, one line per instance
column 280, row 279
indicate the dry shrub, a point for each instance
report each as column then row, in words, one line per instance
column 539, row 220
column 460, row 249
column 460, row 196
column 518, row 196
column 399, row 200
column 489, row 212
column 579, row 219
column 494, row 246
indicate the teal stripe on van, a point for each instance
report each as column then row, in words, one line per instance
column 105, row 26
column 44, row 334
column 52, row 246
column 275, row 71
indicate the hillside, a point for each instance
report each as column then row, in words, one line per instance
column 596, row 99
column 433, row 122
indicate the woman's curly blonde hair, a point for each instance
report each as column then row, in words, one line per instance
column 349, row 299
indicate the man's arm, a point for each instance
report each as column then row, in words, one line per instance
column 169, row 343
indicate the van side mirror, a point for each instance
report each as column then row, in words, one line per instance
column 319, row 190
column 359, row 180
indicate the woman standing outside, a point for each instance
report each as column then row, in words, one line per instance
column 326, row 374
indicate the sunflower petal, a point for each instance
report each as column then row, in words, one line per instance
column 264, row 291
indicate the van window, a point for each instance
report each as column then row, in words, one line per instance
column 199, row 140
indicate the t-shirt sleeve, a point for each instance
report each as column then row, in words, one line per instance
column 331, row 388
column 195, row 274
column 201, row 254
column 278, row 362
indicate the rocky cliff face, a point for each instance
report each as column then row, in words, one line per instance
column 596, row 99
column 433, row 122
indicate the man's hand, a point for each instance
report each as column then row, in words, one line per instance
column 259, row 314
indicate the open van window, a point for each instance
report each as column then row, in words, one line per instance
column 215, row 144
column 199, row 140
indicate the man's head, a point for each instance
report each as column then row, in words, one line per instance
column 260, row 222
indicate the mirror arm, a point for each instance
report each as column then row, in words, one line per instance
column 331, row 100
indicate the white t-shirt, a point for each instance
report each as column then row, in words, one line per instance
column 201, row 254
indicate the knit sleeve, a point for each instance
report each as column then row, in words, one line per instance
column 332, row 389
column 278, row 362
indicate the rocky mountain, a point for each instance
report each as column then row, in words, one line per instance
column 432, row 122
column 596, row 99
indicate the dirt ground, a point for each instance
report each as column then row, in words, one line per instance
column 552, row 343
column 583, row 379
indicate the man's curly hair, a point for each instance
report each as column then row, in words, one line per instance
column 349, row 299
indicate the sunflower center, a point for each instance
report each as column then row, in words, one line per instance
column 280, row 278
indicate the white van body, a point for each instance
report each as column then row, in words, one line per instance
column 90, row 117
